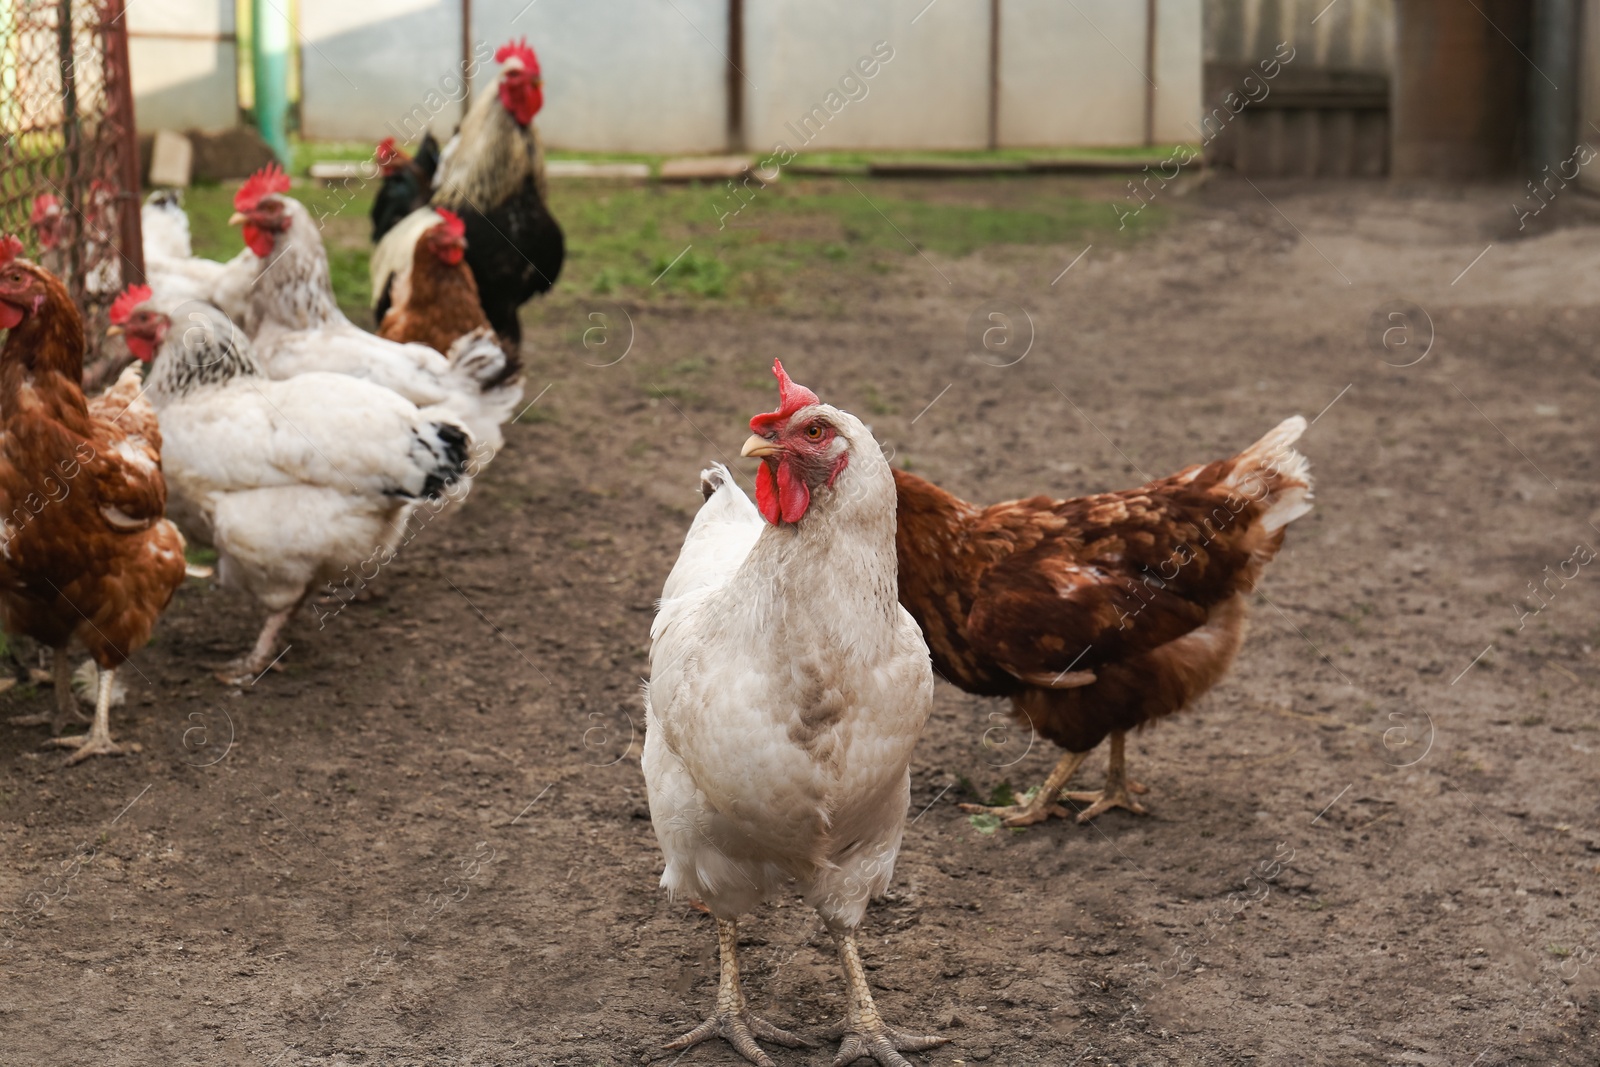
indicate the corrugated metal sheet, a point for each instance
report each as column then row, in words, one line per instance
column 1589, row 99
column 1325, row 111
column 1347, row 34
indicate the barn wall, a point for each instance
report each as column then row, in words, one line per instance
column 622, row 75
column 1588, row 119
column 932, row 92
column 652, row 76
column 1072, row 73
column 375, row 69
column 182, row 54
column 1326, row 110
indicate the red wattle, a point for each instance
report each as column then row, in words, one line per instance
column 259, row 240
column 523, row 102
column 452, row 255
column 9, row 317
column 793, row 496
column 766, row 492
column 141, row 347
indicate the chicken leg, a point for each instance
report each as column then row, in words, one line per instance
column 66, row 700
column 732, row 1018
column 246, row 670
column 97, row 742
column 1118, row 786
column 864, row 1031
column 1044, row 804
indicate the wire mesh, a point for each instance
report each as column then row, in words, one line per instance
column 69, row 170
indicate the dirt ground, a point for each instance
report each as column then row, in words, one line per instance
column 1376, row 842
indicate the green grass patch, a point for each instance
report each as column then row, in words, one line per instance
column 652, row 242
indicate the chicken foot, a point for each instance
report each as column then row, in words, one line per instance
column 97, row 742
column 67, row 709
column 1044, row 803
column 1118, row 786
column 247, row 670
column 732, row 1018
column 864, row 1031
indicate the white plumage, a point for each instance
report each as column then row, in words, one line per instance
column 787, row 691
column 291, row 480
column 298, row 328
column 175, row 274
column 391, row 260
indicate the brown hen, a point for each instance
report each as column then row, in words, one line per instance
column 84, row 550
column 1101, row 614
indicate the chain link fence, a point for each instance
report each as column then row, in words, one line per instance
column 69, row 164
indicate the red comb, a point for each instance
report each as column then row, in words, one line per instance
column 519, row 51
column 10, row 248
column 268, row 180
column 42, row 204
column 388, row 155
column 130, row 298
column 791, row 398
column 452, row 222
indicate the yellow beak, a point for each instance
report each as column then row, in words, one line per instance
column 236, row 218
column 114, row 331
column 759, row 446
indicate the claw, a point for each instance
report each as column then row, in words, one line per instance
column 1021, row 814
column 732, row 1019
column 864, row 1031
column 1103, row 801
column 87, row 745
column 741, row 1030
column 883, row 1043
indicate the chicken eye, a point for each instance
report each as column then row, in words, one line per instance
column 814, row 432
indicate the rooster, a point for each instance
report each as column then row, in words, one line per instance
column 435, row 302
column 1101, row 614
column 492, row 175
column 407, row 182
column 84, row 550
column 290, row 480
column 787, row 690
column 298, row 327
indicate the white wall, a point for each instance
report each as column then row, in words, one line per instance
column 622, row 75
column 188, row 81
column 377, row 68
column 650, row 75
column 1180, row 69
column 934, row 93
column 1074, row 74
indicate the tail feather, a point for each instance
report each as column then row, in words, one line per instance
column 479, row 356
column 1274, row 470
column 448, row 447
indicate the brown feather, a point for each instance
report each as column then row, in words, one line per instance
column 86, row 552
column 1143, row 589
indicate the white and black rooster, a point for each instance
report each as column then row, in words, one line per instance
column 787, row 690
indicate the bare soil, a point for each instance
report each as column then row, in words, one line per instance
column 425, row 841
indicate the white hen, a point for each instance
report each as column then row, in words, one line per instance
column 176, row 274
column 290, row 480
column 298, row 327
column 787, row 690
